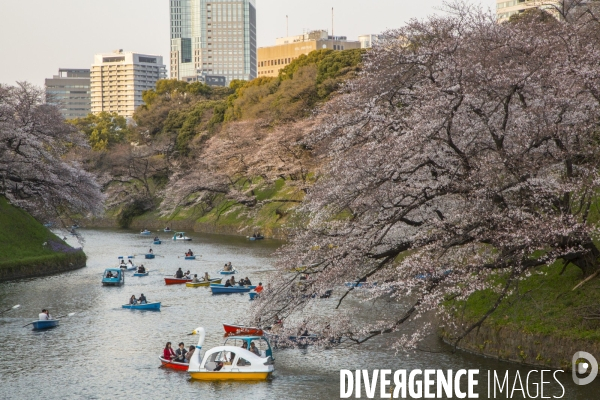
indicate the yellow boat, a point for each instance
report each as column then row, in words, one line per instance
column 204, row 283
column 223, row 363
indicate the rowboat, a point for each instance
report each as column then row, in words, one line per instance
column 141, row 274
column 230, row 289
column 253, row 295
column 176, row 281
column 223, row 272
column 118, row 280
column 243, row 330
column 259, row 237
column 360, row 284
column 157, row 242
column 167, row 230
column 149, row 256
column 190, row 257
column 173, row 364
column 181, row 236
column 233, row 363
column 39, row 325
column 251, row 287
column 204, row 283
column 147, row 306
column 145, row 232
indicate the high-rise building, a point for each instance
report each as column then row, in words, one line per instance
column 274, row 58
column 118, row 80
column 213, row 37
column 505, row 9
column 70, row 92
column 367, row 41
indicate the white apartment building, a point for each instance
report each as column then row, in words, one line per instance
column 507, row 8
column 119, row 78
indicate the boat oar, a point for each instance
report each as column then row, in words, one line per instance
column 12, row 308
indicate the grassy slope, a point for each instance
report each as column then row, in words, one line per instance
column 22, row 237
column 545, row 303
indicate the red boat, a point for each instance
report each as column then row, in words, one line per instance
column 242, row 330
column 174, row 365
column 176, row 281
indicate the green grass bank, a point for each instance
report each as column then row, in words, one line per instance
column 543, row 322
column 22, row 250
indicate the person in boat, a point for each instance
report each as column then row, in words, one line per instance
column 109, row 274
column 168, row 353
column 45, row 315
column 141, row 269
column 247, row 282
column 219, row 366
column 143, row 299
column 206, row 277
column 244, row 345
column 123, row 265
column 230, row 282
column 190, row 253
column 226, row 267
column 130, row 264
column 180, row 353
column 188, row 275
column 254, row 349
column 179, row 274
column 189, row 354
column 181, row 235
column 150, row 250
column 254, row 235
column 242, row 282
column 133, row 300
column 259, row 288
column 156, row 239
column 195, row 279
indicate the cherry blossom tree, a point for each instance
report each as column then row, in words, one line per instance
column 465, row 149
column 34, row 172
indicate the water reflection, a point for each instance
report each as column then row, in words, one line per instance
column 104, row 351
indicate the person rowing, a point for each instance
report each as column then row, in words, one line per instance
column 206, row 277
column 142, row 269
column 143, row 299
column 123, row 265
column 189, row 253
column 195, row 279
column 150, row 250
column 179, row 274
column 45, row 315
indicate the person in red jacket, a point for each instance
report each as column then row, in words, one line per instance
column 168, row 353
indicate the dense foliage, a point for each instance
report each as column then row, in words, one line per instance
column 466, row 150
column 103, row 130
column 35, row 171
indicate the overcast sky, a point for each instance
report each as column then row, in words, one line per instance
column 39, row 36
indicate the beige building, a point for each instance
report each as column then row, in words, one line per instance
column 118, row 80
column 506, row 9
column 272, row 59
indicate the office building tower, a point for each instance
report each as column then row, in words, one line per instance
column 213, row 38
column 274, row 58
column 367, row 41
column 70, row 92
column 119, row 78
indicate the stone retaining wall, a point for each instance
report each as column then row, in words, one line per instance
column 506, row 344
column 53, row 265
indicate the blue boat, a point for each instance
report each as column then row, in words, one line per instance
column 190, row 257
column 157, row 242
column 147, row 306
column 141, row 274
column 251, row 287
column 167, row 230
column 220, row 289
column 145, row 232
column 360, row 284
column 222, row 272
column 39, row 325
column 117, row 279
column 149, row 256
column 253, row 295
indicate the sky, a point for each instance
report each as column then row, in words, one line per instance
column 37, row 37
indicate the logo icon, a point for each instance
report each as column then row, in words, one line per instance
column 589, row 366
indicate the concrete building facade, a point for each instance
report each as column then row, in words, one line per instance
column 507, row 8
column 213, row 37
column 119, row 78
column 274, row 58
column 367, row 41
column 70, row 92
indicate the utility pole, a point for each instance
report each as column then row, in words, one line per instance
column 332, row 21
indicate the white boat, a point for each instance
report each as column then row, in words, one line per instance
column 228, row 363
column 181, row 236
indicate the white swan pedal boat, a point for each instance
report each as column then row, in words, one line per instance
column 228, row 363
